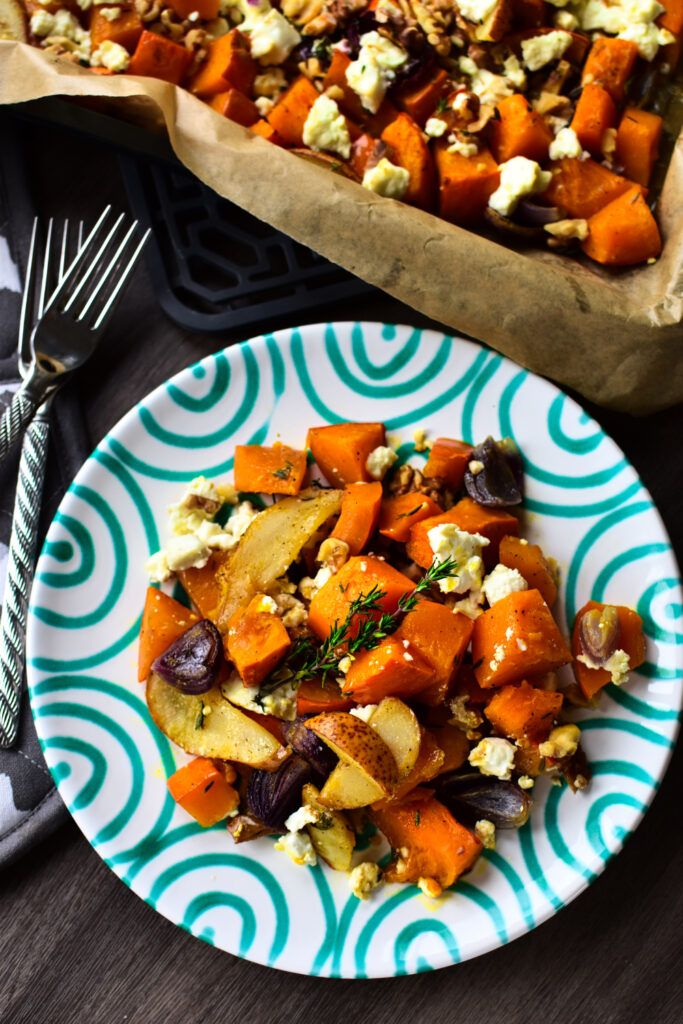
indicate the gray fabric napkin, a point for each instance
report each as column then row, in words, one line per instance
column 30, row 807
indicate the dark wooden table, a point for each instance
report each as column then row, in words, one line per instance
column 77, row 946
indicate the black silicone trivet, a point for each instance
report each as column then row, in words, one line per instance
column 216, row 267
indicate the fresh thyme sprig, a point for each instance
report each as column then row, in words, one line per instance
column 360, row 630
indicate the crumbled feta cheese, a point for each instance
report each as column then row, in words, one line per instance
column 42, row 23
column 475, row 466
column 386, row 179
column 420, row 439
column 566, row 144
column 633, row 20
column 562, row 742
column 298, row 847
column 186, row 552
column 266, row 604
column 271, row 37
column 310, row 585
column 364, row 878
column 502, row 581
column 374, row 69
column 462, row 146
column 270, row 83
column 565, row 20
column 518, row 177
column 234, row 690
column 471, row 605
column 281, row 702
column 493, row 756
column 435, row 127
column 364, row 713
column 476, row 10
column 199, row 503
column 301, row 818
column 618, row 665
column 485, row 831
column 514, row 71
column 525, row 782
column 345, row 664
column 325, row 128
column 238, row 523
column 110, row 13
column 448, row 542
column 541, row 50
column 430, row 887
column 157, row 568
column 379, row 461
column 488, row 87
column 264, row 105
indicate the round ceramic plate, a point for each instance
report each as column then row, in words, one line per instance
column 586, row 507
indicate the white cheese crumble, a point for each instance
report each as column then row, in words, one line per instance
column 110, row 13
column 301, row 818
column 566, row 144
column 525, row 782
column 518, row 177
column 514, row 71
column 485, row 831
column 476, row 10
column 374, row 69
column 435, row 127
column 502, row 581
column 618, row 665
column 493, row 756
column 562, row 742
column 365, row 877
column 110, row 55
column 325, row 128
column 281, row 703
column 475, row 466
column 541, row 50
column 271, row 37
column 633, row 20
column 488, row 87
column 266, row 605
column 364, row 713
column 449, row 542
column 298, row 847
column 310, row 585
column 379, row 461
column 565, row 20
column 386, row 179
column 462, row 146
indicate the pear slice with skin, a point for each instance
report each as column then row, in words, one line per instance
column 367, row 768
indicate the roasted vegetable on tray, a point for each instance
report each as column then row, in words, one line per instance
column 540, row 120
column 369, row 654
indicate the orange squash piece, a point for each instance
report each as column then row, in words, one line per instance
column 523, row 712
column 289, row 114
column 430, row 843
column 202, row 790
column 672, row 18
column 419, row 101
column 530, row 563
column 466, row 183
column 229, row 64
column 441, row 636
column 638, row 137
column 275, row 470
column 582, row 187
column 412, row 153
column 235, row 106
column 395, row 668
column 158, row 57
column 498, row 656
column 359, row 515
column 624, row 232
column 202, row 586
column 429, row 764
column 255, row 642
column 448, row 460
column 448, row 737
column 266, row 131
column 314, row 697
column 518, row 131
column 124, row 30
column 356, row 577
column 163, row 621
column 595, row 113
column 632, row 640
column 400, row 513
column 609, row 63
column 492, row 523
column 341, row 450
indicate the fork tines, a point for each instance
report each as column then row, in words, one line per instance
column 99, row 273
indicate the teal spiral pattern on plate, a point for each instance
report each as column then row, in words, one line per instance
column 586, row 507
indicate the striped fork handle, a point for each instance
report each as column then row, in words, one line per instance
column 14, row 421
column 20, row 568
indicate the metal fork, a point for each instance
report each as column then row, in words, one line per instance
column 25, row 522
column 73, row 319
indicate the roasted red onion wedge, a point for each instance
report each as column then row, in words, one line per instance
column 193, row 661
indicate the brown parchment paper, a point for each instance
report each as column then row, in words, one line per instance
column 616, row 338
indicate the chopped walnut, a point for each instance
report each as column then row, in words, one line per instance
column 301, row 12
column 147, row 10
column 170, row 26
column 270, row 83
column 550, row 103
column 311, row 68
column 465, row 719
column 557, row 79
column 334, row 553
column 333, row 15
column 195, row 40
column 608, row 143
column 409, row 480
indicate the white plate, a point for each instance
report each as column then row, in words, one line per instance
column 586, row 507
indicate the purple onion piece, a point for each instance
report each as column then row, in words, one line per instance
column 600, row 634
column 309, row 746
column 273, row 796
column 193, row 661
column 500, row 482
column 535, row 214
column 470, row 796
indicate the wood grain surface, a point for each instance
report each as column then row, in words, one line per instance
column 78, row 947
